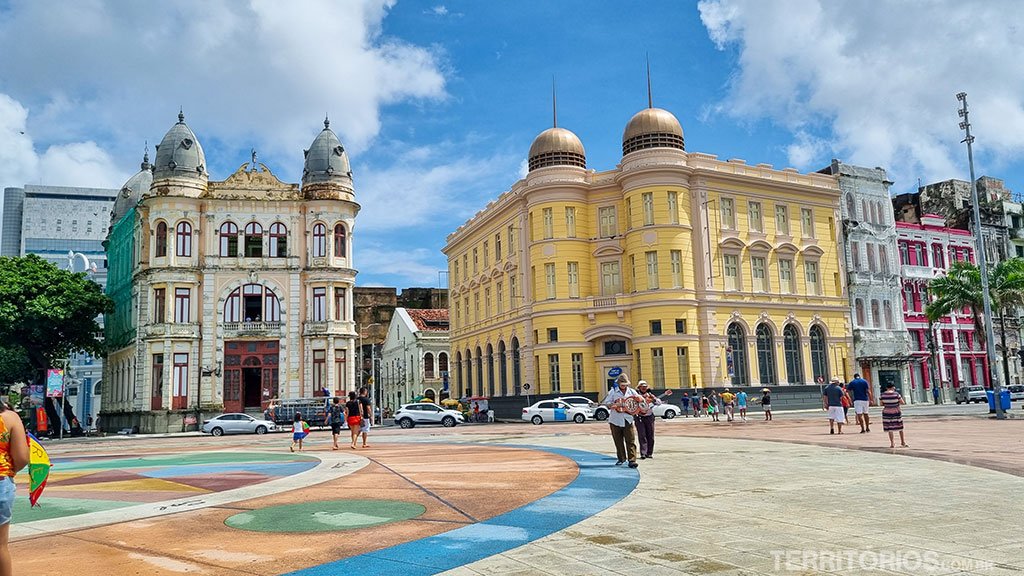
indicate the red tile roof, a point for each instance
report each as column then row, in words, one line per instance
column 429, row 319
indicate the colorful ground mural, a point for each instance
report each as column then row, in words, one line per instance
column 79, row 485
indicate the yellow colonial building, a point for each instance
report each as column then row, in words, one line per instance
column 675, row 267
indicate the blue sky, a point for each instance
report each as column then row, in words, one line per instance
column 438, row 102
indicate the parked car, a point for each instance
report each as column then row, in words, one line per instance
column 237, row 423
column 1016, row 392
column 667, row 411
column 554, row 411
column 409, row 415
column 585, row 403
column 970, row 394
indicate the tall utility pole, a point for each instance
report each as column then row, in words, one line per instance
column 979, row 243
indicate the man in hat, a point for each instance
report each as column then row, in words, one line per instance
column 620, row 422
column 645, row 420
column 832, row 402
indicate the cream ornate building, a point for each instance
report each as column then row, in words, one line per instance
column 228, row 294
column 675, row 267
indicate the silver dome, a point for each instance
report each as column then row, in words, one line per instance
column 132, row 190
column 326, row 160
column 179, row 154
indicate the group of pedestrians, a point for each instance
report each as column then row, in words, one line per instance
column 714, row 404
column 356, row 413
column 836, row 400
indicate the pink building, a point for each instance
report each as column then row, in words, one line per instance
column 926, row 250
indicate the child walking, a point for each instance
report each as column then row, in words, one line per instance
column 300, row 429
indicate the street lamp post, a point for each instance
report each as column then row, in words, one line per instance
column 979, row 241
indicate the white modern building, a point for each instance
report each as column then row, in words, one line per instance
column 414, row 357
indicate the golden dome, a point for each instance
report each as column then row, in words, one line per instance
column 652, row 128
column 557, row 147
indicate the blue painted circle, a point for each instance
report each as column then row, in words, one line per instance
column 614, row 372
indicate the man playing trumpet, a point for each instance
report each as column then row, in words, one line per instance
column 623, row 403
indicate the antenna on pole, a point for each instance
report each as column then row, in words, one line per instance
column 650, row 99
column 554, row 104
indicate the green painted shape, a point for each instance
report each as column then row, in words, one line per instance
column 325, row 516
column 202, row 458
column 60, row 507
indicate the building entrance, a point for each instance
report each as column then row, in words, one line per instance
column 251, row 372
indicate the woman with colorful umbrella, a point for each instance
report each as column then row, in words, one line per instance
column 14, row 455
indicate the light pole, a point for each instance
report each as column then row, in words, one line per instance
column 979, row 243
column 362, row 372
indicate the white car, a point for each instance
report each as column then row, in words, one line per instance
column 1016, row 392
column 591, row 407
column 667, row 411
column 410, row 415
column 554, row 411
column 237, row 423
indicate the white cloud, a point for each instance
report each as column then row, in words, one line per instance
column 430, row 184
column 18, row 161
column 439, row 10
column 419, row 266
column 874, row 82
column 257, row 73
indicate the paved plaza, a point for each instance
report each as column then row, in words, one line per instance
column 717, row 498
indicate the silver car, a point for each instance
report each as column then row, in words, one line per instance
column 427, row 413
column 237, row 424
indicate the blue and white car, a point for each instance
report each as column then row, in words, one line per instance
column 554, row 411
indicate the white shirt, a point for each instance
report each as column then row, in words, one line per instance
column 620, row 419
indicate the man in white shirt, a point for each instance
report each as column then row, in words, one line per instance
column 621, row 422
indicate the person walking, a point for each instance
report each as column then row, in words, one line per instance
column 728, row 401
column 620, row 420
column 832, row 402
column 300, row 429
column 685, row 401
column 892, row 416
column 14, row 456
column 353, row 416
column 367, row 414
column 645, row 420
column 847, row 402
column 863, row 397
column 741, row 403
column 766, row 403
column 716, row 405
column 335, row 416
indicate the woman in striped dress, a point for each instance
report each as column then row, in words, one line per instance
column 892, row 417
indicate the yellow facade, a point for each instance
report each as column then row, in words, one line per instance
column 646, row 268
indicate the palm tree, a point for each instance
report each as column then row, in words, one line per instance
column 961, row 288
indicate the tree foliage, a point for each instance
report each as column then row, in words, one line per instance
column 961, row 288
column 47, row 313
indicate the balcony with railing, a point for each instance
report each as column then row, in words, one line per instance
column 169, row 330
column 257, row 328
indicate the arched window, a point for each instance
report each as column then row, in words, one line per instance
column 859, row 304
column 469, row 373
column 253, row 240
column 480, row 369
column 888, row 314
column 252, row 303
column 490, row 370
column 736, row 355
column 517, row 374
column 183, row 240
column 502, row 369
column 865, row 213
column 428, row 366
column 458, row 372
column 851, row 207
column 229, row 239
column 791, row 349
column 442, row 363
column 319, row 240
column 766, row 355
column 161, row 239
column 876, row 315
column 340, row 240
column 819, row 356
column 278, row 240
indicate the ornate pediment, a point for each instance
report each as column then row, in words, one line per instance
column 254, row 183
